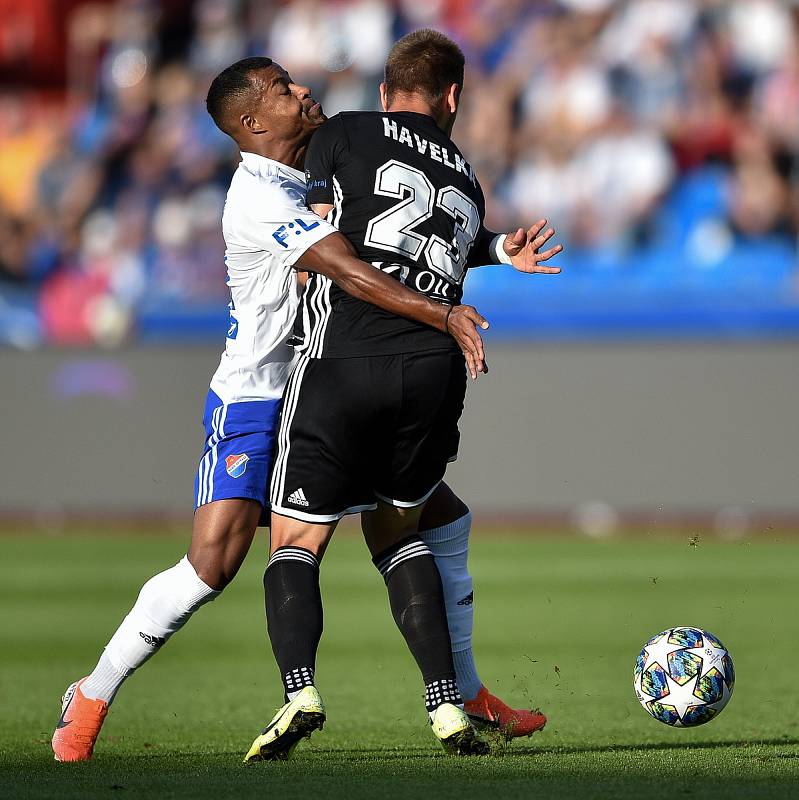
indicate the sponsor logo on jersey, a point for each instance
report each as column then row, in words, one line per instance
column 297, row 227
column 298, row 498
column 236, row 465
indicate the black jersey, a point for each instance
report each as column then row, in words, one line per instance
column 411, row 205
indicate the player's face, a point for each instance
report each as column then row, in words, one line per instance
column 288, row 109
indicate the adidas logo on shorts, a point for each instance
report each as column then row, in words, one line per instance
column 297, row 498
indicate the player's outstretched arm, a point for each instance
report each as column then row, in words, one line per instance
column 521, row 249
column 335, row 257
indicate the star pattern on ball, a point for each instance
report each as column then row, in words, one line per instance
column 681, row 697
column 711, row 657
column 657, row 651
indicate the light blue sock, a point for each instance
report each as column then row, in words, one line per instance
column 449, row 545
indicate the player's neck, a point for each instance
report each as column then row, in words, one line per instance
column 419, row 105
column 292, row 154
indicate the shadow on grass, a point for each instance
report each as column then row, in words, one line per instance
column 511, row 750
column 514, row 750
column 502, row 750
column 407, row 773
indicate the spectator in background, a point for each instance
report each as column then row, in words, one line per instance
column 636, row 127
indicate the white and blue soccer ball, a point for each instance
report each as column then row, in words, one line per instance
column 684, row 677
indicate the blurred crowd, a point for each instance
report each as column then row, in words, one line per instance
column 650, row 126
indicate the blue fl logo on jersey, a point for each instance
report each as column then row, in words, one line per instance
column 236, row 465
column 282, row 233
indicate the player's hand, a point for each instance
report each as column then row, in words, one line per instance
column 462, row 324
column 524, row 249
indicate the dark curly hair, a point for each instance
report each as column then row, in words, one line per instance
column 233, row 83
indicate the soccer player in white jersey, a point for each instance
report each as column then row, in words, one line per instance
column 269, row 233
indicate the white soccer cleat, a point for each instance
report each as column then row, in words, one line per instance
column 456, row 733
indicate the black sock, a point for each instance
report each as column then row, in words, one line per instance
column 293, row 614
column 417, row 603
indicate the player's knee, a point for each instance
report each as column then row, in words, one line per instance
column 221, row 540
column 443, row 508
column 388, row 525
column 215, row 576
column 456, row 507
column 213, row 565
column 293, row 533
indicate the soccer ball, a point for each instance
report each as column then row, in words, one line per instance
column 684, row 677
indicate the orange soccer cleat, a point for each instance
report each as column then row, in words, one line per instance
column 488, row 711
column 79, row 726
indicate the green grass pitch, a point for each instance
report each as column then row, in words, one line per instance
column 559, row 622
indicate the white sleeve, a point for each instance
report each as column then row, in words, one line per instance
column 277, row 222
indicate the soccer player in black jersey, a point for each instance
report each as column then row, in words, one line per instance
column 371, row 410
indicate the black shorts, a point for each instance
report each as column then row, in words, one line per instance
column 358, row 430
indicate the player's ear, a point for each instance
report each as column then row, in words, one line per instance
column 453, row 97
column 251, row 123
column 383, row 97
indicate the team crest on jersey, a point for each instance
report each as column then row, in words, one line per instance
column 236, row 465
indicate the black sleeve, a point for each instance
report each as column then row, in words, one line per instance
column 327, row 147
column 479, row 255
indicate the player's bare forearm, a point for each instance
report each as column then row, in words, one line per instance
column 335, row 258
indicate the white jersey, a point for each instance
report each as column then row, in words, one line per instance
column 267, row 228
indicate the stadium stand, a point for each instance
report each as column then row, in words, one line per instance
column 660, row 137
